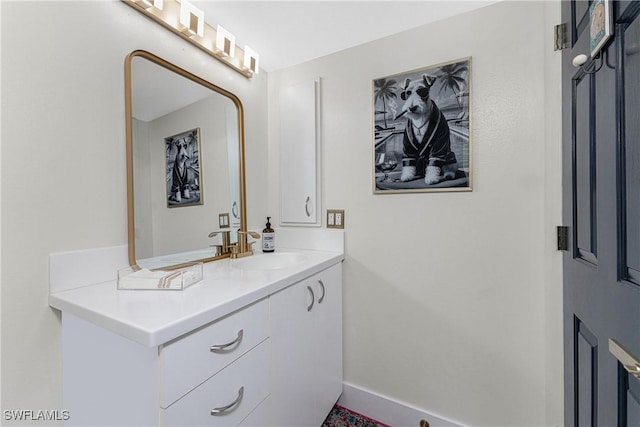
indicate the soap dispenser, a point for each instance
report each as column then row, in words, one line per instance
column 268, row 238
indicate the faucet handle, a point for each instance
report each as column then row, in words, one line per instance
column 226, row 241
column 215, row 233
column 250, row 233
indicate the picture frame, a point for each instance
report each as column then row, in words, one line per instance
column 601, row 29
column 183, row 169
column 421, row 130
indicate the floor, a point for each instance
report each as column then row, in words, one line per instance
column 343, row 417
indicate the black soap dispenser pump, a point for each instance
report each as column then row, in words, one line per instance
column 268, row 238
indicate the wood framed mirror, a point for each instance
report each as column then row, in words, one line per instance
column 185, row 163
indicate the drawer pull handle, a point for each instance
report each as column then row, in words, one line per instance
column 221, row 348
column 323, row 292
column 313, row 297
column 223, row 410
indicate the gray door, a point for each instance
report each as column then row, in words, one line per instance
column 601, row 206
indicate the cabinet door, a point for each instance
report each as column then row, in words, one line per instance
column 306, row 333
column 327, row 317
column 292, row 390
column 299, row 158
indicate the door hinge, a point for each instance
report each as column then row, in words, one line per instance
column 560, row 37
column 563, row 238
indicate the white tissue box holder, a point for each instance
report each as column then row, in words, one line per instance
column 176, row 279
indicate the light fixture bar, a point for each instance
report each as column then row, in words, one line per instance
column 251, row 60
column 191, row 19
column 147, row 4
column 225, row 42
column 168, row 13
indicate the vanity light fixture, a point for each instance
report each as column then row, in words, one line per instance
column 191, row 19
column 225, row 42
column 251, row 60
column 148, row 4
column 187, row 21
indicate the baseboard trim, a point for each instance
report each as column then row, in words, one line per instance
column 388, row 410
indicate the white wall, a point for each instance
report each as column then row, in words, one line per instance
column 447, row 296
column 63, row 160
column 554, row 373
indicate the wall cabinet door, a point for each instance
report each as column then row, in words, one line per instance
column 306, row 333
column 299, row 154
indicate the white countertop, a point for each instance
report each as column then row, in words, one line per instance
column 154, row 317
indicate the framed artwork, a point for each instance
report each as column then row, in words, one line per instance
column 183, row 169
column 421, row 130
column 600, row 24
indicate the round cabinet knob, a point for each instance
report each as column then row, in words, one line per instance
column 579, row 60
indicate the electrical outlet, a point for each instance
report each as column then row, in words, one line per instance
column 335, row 218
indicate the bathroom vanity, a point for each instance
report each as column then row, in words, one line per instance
column 257, row 342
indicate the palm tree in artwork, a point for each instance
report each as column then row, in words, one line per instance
column 384, row 90
column 452, row 77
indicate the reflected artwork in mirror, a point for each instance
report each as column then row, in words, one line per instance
column 185, row 163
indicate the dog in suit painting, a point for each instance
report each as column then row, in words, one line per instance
column 427, row 139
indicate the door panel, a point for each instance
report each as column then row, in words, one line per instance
column 586, row 380
column 629, row 399
column 584, row 167
column 630, row 137
column 628, row 385
column 601, row 203
column 580, row 18
column 631, row 413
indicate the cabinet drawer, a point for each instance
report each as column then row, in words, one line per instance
column 190, row 360
column 249, row 373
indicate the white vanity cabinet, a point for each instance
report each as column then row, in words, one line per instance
column 242, row 348
column 214, row 376
column 306, row 339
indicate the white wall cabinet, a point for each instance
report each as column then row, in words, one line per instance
column 306, row 334
column 300, row 154
column 277, row 361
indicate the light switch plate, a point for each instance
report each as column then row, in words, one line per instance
column 223, row 220
column 335, row 218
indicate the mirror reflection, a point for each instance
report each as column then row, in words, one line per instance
column 184, row 150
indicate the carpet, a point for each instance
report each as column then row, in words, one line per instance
column 343, row 417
